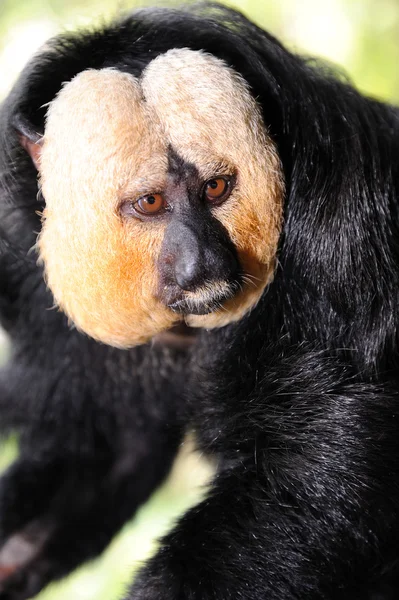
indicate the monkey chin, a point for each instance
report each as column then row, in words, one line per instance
column 183, row 335
column 179, row 337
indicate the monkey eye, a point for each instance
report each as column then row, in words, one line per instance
column 150, row 205
column 217, row 190
column 147, row 206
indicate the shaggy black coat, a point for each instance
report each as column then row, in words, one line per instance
column 299, row 400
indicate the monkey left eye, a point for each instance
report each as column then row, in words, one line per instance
column 217, row 190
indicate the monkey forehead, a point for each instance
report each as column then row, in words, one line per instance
column 97, row 103
column 99, row 128
column 202, row 104
column 108, row 131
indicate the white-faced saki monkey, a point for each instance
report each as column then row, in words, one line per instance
column 199, row 230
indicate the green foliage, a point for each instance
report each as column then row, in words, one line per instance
column 107, row 577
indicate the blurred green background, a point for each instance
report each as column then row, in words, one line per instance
column 362, row 36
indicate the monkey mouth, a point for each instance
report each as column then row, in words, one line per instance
column 189, row 307
column 205, row 299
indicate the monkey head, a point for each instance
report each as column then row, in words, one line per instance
column 163, row 198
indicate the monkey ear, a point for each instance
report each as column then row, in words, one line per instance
column 30, row 140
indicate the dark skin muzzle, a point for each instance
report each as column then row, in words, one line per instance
column 198, row 257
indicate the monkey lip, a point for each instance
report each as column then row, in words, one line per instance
column 188, row 307
column 204, row 300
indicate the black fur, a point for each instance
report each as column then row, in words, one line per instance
column 299, row 400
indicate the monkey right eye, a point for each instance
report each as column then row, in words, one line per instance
column 147, row 206
column 150, row 205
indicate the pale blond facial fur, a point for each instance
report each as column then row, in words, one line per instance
column 106, row 140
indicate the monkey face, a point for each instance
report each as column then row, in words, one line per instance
column 163, row 198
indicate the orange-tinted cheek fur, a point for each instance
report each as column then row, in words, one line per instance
column 101, row 269
column 105, row 283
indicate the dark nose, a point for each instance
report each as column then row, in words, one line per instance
column 194, row 253
column 188, row 266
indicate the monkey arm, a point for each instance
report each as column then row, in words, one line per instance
column 92, row 449
column 300, row 512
